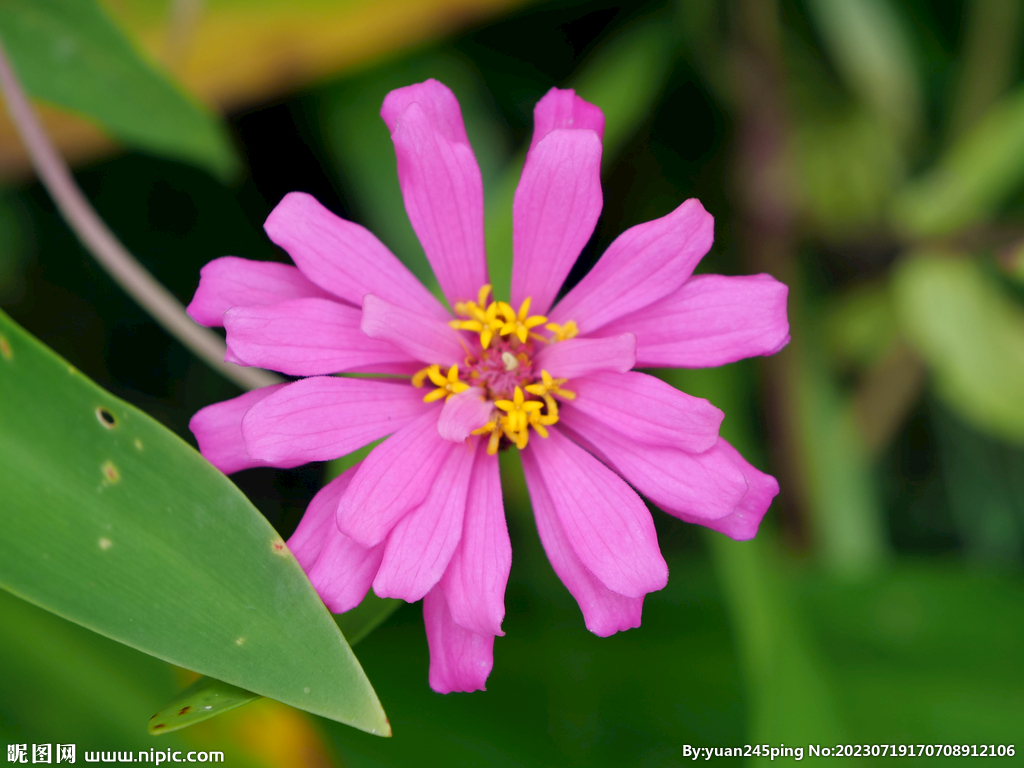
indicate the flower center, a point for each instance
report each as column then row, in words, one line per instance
column 500, row 361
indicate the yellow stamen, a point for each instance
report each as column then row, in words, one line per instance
column 492, row 428
column 550, row 385
column 521, row 323
column 563, row 332
column 446, row 385
column 420, row 376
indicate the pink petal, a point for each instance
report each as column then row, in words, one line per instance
column 421, row 544
column 604, row 612
column 423, row 338
column 704, row 485
column 324, row 417
column 441, row 184
column 554, row 212
column 438, row 103
column 573, row 358
column 344, row 571
column 233, row 282
column 474, row 583
column 710, row 321
column 460, row 660
column 645, row 263
column 743, row 522
column 562, row 108
column 339, row 569
column 609, row 527
column 462, row 413
column 343, row 257
column 218, row 430
column 395, row 478
column 648, row 410
column 317, row 524
column 306, row 337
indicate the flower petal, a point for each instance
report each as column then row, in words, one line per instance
column 306, row 337
column 606, row 523
column 340, row 570
column 344, row 571
column 554, row 213
column 645, row 263
column 604, row 612
column 648, row 410
column 421, row 544
column 474, row 583
column 233, row 282
column 343, row 257
column 460, row 660
column 573, row 358
column 423, row 338
column 317, row 524
column 441, row 184
column 562, row 108
column 324, row 417
column 710, row 321
column 218, row 430
column 704, row 485
column 743, row 522
column 462, row 413
column 395, row 478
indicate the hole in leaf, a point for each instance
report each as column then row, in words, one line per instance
column 106, row 418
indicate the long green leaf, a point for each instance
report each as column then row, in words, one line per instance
column 971, row 180
column 113, row 522
column 875, row 53
column 207, row 697
column 971, row 336
column 70, row 53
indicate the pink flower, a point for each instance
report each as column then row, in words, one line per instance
column 422, row 516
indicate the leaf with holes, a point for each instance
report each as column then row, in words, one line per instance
column 69, row 52
column 113, row 522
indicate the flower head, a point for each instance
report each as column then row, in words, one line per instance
column 422, row 516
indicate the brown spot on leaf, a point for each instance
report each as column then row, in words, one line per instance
column 5, row 349
column 110, row 473
column 159, row 725
column 184, row 710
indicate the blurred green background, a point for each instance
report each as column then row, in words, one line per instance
column 868, row 153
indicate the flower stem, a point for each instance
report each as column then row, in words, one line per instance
column 103, row 244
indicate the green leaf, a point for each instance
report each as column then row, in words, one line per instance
column 70, row 53
column 976, row 175
column 972, row 337
column 207, row 697
column 873, row 50
column 366, row 617
column 113, row 522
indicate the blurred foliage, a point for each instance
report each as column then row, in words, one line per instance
column 867, row 152
column 68, row 52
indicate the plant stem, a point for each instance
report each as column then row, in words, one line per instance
column 103, row 244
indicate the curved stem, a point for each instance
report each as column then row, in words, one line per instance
column 103, row 244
